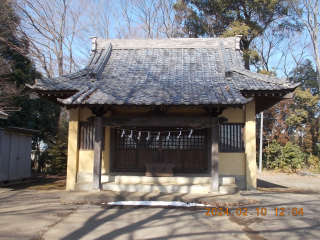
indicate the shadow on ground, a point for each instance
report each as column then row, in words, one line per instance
column 265, row 184
column 40, row 182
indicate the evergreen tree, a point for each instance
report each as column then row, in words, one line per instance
column 307, row 76
column 57, row 150
column 213, row 18
column 292, row 157
column 34, row 114
column 304, row 120
column 288, row 157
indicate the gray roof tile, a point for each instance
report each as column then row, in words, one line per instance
column 162, row 72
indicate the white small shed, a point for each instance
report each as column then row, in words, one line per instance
column 15, row 155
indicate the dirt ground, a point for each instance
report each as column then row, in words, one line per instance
column 33, row 211
column 301, row 182
column 39, row 181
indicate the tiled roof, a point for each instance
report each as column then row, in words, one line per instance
column 163, row 72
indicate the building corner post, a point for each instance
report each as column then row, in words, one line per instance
column 96, row 185
column 73, row 151
column 250, row 146
column 215, row 155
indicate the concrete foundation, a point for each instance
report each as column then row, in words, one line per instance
column 186, row 183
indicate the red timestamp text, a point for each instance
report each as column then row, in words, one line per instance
column 255, row 212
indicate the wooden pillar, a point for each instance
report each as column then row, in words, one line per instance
column 73, row 149
column 250, row 146
column 98, row 134
column 215, row 155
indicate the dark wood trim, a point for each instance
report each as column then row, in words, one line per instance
column 138, row 115
column 193, row 122
column 188, row 107
column 99, row 111
column 209, row 151
column 111, row 150
column 97, row 154
column 278, row 93
column 215, row 155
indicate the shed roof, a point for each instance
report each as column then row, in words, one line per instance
column 185, row 71
column 3, row 115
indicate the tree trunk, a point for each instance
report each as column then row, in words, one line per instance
column 246, row 55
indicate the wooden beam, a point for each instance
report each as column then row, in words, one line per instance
column 215, row 155
column 97, row 153
column 194, row 122
column 111, row 149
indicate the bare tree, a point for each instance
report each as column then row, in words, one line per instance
column 308, row 12
column 147, row 17
column 144, row 18
column 280, row 52
column 100, row 17
column 51, row 28
column 127, row 27
column 58, row 30
column 167, row 15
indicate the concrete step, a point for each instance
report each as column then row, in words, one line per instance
column 148, row 187
column 228, row 186
column 83, row 186
column 155, row 187
column 134, row 179
column 88, row 176
column 229, row 189
column 177, row 184
column 162, row 180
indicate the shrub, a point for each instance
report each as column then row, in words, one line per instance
column 293, row 156
column 314, row 163
column 289, row 157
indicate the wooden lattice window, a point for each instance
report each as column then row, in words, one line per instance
column 87, row 136
column 231, row 138
column 197, row 139
column 126, row 142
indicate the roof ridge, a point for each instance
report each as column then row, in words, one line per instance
column 229, row 42
column 223, row 55
column 101, row 61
